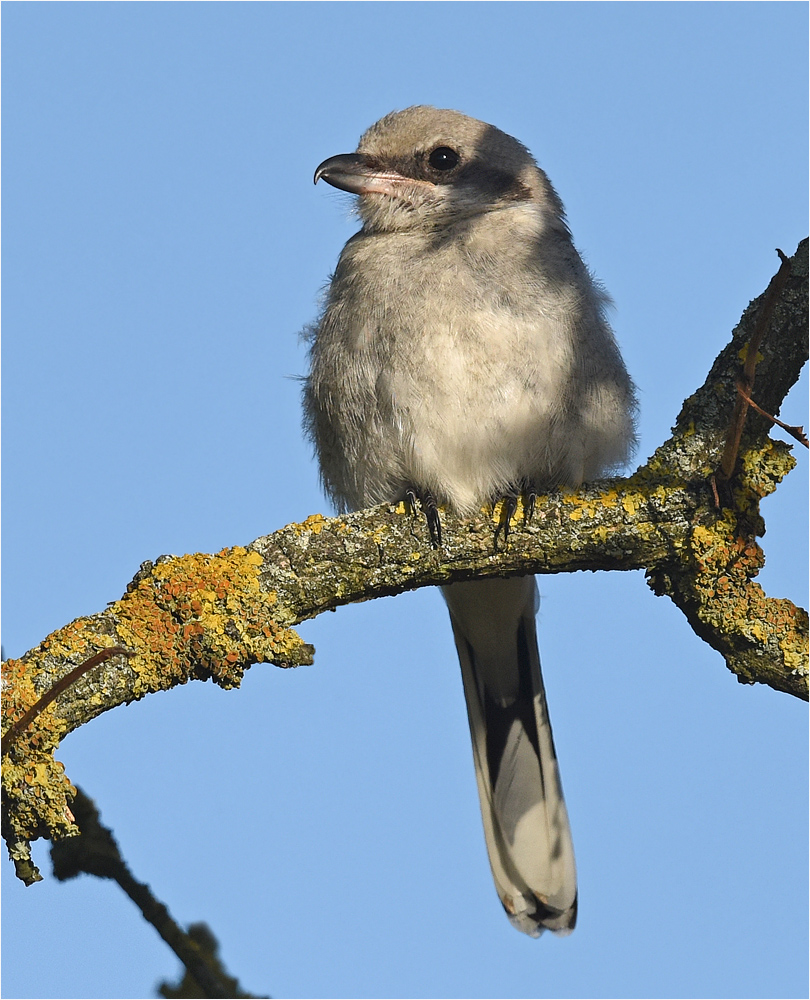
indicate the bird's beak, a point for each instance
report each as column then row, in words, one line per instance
column 353, row 172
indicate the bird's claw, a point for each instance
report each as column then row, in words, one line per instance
column 508, row 512
column 431, row 511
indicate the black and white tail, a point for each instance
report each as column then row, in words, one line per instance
column 525, row 819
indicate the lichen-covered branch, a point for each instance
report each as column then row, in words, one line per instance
column 201, row 616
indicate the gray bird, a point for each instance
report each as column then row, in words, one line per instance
column 462, row 357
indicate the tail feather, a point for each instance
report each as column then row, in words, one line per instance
column 525, row 820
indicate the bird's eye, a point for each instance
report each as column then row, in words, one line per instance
column 443, row 158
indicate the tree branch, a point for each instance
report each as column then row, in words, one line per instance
column 95, row 851
column 200, row 616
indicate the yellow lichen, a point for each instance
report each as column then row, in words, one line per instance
column 314, row 523
column 742, row 354
column 631, row 502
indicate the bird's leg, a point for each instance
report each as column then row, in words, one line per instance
column 431, row 511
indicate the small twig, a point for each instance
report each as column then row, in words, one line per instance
column 796, row 432
column 16, row 728
column 96, row 852
column 731, row 450
column 715, row 491
column 202, row 936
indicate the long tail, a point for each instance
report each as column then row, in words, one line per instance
column 525, row 820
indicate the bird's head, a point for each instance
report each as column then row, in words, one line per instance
column 427, row 168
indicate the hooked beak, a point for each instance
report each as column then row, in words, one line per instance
column 354, row 173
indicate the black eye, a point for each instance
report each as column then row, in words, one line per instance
column 443, row 158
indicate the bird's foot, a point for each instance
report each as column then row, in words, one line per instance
column 508, row 508
column 431, row 511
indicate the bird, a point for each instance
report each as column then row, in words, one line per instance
column 463, row 356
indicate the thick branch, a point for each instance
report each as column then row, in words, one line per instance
column 203, row 616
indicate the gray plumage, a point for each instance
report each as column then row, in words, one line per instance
column 463, row 353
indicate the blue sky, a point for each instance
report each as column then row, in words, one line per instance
column 163, row 246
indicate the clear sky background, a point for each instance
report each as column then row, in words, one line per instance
column 163, row 245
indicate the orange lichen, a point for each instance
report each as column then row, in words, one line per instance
column 201, row 615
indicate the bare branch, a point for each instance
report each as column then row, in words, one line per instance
column 796, row 432
column 95, row 851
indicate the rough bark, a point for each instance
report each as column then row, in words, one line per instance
column 689, row 525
